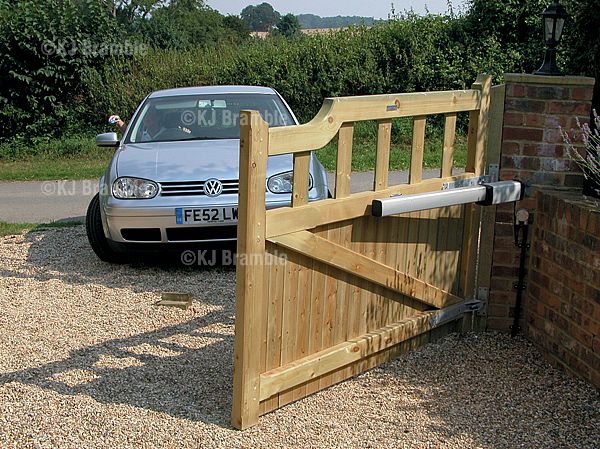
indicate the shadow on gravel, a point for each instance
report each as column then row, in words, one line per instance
column 184, row 371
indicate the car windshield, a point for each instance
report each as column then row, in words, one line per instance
column 203, row 117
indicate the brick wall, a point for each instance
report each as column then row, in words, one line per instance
column 562, row 302
column 533, row 152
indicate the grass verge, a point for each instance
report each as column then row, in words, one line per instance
column 19, row 228
column 42, row 168
column 79, row 158
column 70, row 158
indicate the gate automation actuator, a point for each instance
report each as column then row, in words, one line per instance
column 485, row 194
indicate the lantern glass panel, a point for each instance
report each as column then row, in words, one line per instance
column 548, row 29
column 559, row 29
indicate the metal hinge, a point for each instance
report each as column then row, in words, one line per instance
column 459, row 183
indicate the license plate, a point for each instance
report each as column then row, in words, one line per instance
column 205, row 215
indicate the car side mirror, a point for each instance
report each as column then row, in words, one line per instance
column 107, row 140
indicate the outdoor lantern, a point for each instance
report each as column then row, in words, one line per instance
column 554, row 21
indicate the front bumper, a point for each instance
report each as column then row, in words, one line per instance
column 157, row 225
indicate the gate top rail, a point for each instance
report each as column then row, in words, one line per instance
column 336, row 111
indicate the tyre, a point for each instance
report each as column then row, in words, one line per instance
column 95, row 234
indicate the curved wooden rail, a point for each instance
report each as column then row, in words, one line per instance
column 336, row 111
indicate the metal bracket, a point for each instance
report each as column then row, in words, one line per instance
column 494, row 172
column 483, row 296
column 476, row 306
column 455, row 311
column 471, row 182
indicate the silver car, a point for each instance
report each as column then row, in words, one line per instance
column 174, row 175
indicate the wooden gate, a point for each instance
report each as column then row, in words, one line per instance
column 326, row 291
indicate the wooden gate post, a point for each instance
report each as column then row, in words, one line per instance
column 477, row 141
column 250, row 285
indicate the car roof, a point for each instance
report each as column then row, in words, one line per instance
column 212, row 90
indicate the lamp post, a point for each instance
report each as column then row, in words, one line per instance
column 554, row 21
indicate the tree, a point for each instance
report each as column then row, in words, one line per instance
column 237, row 28
column 288, row 26
column 260, row 17
column 45, row 45
column 581, row 44
column 127, row 11
column 184, row 24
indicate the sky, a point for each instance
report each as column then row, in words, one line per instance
column 374, row 8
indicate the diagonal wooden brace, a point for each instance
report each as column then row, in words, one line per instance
column 325, row 251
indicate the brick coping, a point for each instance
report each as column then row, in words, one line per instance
column 525, row 78
column 573, row 197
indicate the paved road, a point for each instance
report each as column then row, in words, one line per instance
column 41, row 202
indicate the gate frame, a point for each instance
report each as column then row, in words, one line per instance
column 336, row 117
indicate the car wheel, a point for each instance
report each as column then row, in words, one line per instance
column 95, row 234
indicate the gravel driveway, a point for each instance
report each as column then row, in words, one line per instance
column 87, row 360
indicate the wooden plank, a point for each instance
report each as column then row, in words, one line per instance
column 370, row 305
column 336, row 111
column 418, row 148
column 412, row 244
column 468, row 263
column 357, row 324
column 265, row 331
column 284, row 220
column 274, row 318
column 343, row 354
column 343, row 169
column 290, row 312
column 305, row 242
column 382, row 165
column 494, row 146
column 303, row 317
column 449, row 141
column 391, row 259
column 476, row 163
column 250, row 289
column 397, row 309
column 331, row 313
column 442, row 272
column 455, row 238
column 343, row 321
column 316, row 323
column 301, row 179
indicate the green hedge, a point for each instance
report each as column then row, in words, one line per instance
column 412, row 54
column 42, row 96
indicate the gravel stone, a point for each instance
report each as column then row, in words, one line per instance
column 88, row 360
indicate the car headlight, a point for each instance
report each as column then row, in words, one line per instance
column 284, row 182
column 134, row 188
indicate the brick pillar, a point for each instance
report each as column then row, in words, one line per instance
column 533, row 152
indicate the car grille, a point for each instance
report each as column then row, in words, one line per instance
column 196, row 188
